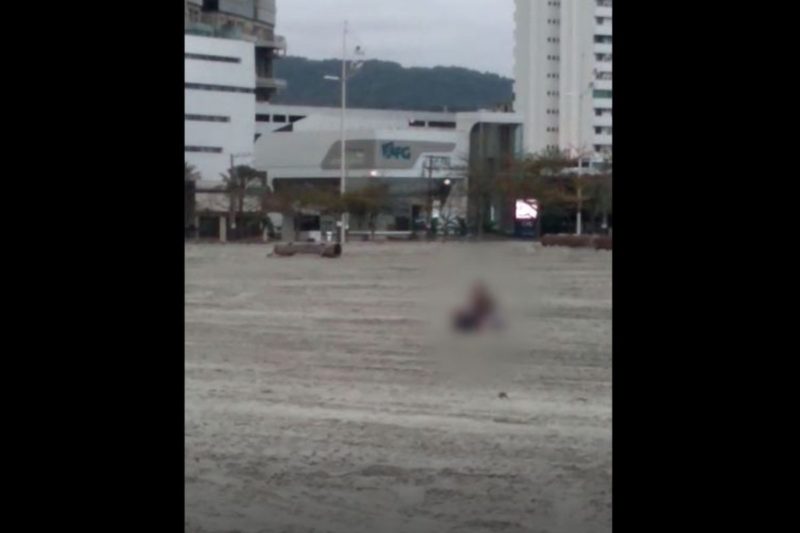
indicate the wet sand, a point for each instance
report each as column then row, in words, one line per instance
column 317, row 398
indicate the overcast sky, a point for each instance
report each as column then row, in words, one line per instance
column 476, row 34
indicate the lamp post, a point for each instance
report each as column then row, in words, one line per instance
column 345, row 75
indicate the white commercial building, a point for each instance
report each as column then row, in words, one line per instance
column 563, row 74
column 414, row 153
column 220, row 104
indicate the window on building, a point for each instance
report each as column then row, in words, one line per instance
column 441, row 124
column 262, row 117
column 207, row 118
column 221, row 88
column 278, row 118
column 208, row 57
column 416, row 123
column 599, row 93
column 205, row 149
column 295, row 118
column 604, row 39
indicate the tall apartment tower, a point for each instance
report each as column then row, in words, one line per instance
column 229, row 48
column 245, row 20
column 563, row 75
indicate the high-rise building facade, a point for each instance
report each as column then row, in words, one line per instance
column 243, row 20
column 229, row 50
column 219, row 104
column 563, row 75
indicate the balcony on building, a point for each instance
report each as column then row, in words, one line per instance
column 200, row 29
column 601, row 84
column 602, row 103
column 275, row 84
column 603, row 11
column 603, row 67
column 603, row 29
column 277, row 42
column 604, row 120
column 603, row 139
column 603, row 48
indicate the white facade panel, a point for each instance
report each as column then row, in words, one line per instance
column 603, row 11
column 603, row 103
column 603, row 120
column 301, row 152
column 605, row 85
column 603, row 48
column 235, row 135
column 604, row 28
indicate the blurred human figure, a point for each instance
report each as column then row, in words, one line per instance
column 479, row 313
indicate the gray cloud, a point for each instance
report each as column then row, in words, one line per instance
column 476, row 34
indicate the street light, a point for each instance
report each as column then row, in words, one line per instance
column 346, row 73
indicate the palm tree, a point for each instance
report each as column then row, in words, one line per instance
column 242, row 181
column 190, row 177
column 190, row 172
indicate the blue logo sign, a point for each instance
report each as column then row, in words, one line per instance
column 390, row 151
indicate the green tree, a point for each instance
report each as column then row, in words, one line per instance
column 367, row 204
column 560, row 185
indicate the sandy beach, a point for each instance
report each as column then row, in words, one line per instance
column 328, row 395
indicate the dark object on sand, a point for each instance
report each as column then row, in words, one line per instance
column 479, row 312
column 323, row 249
column 598, row 242
column 602, row 242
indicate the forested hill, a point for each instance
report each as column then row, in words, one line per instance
column 387, row 85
